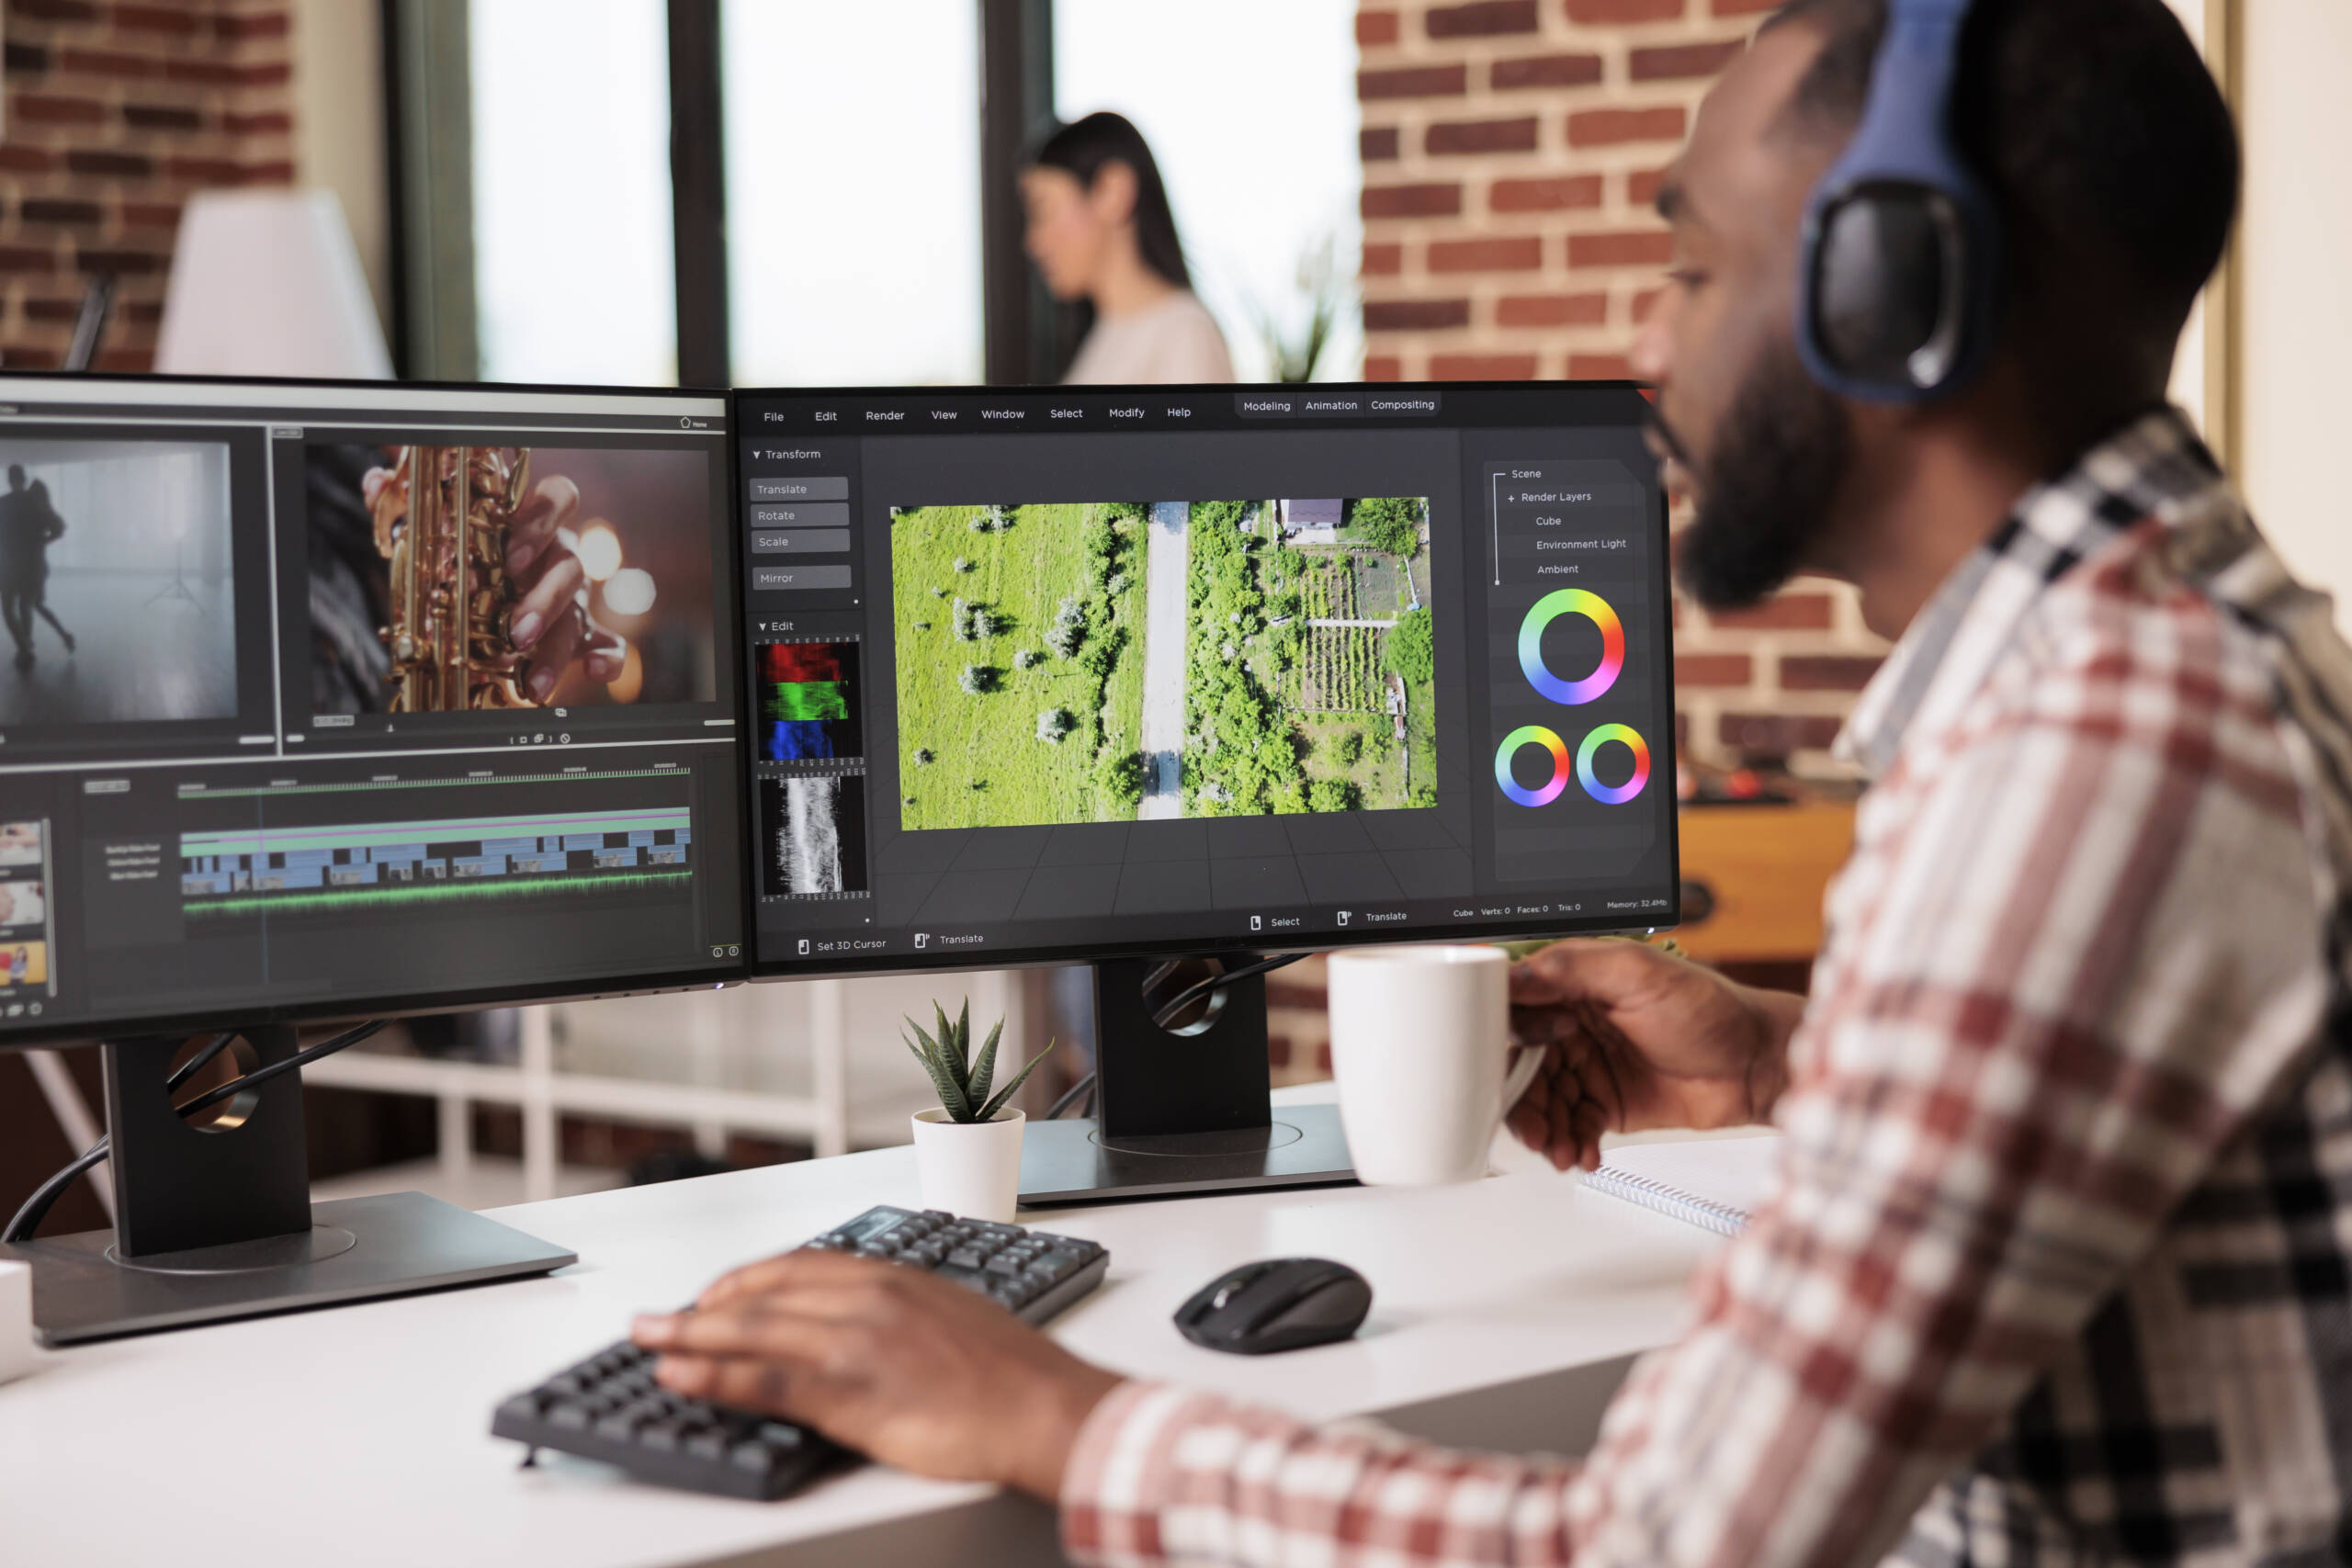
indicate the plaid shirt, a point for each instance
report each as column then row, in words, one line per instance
column 2057, row 1267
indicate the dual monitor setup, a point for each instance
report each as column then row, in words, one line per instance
column 335, row 701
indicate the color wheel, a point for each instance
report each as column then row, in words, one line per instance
column 1550, row 608
column 1535, row 735
column 1592, row 785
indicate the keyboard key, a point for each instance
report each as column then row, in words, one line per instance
column 757, row 1458
column 970, row 1277
column 964, row 1257
column 522, row 1407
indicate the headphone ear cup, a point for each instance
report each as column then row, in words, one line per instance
column 1881, row 294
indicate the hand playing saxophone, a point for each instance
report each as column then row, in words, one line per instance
column 548, row 624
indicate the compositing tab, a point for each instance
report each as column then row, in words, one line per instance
column 1348, row 403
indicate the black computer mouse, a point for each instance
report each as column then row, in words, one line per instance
column 1283, row 1303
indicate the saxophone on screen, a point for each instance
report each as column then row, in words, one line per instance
column 444, row 527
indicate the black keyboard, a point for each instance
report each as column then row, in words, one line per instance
column 608, row 1407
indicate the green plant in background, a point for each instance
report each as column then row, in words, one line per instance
column 962, row 1081
column 1294, row 343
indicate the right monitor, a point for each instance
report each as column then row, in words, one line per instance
column 1049, row 675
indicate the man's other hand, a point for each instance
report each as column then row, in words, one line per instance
column 1637, row 1038
column 905, row 1367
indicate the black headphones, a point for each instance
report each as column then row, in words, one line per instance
column 1899, row 279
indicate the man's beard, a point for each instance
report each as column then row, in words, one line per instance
column 1765, row 496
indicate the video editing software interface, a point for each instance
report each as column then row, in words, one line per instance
column 1047, row 672
column 328, row 695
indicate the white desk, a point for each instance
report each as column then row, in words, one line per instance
column 1505, row 1313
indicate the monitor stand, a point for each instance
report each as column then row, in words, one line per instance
column 217, row 1222
column 1180, row 1112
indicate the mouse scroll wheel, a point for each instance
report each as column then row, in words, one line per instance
column 1238, row 1283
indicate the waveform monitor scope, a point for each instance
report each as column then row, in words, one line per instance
column 337, row 699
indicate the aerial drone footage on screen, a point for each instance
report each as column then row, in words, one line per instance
column 1140, row 660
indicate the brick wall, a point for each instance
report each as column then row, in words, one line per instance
column 1511, row 150
column 116, row 112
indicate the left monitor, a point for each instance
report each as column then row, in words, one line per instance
column 352, row 699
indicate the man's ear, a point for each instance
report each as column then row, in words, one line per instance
column 1112, row 194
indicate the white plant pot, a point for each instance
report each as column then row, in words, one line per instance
column 971, row 1170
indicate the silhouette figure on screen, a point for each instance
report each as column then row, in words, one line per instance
column 28, row 526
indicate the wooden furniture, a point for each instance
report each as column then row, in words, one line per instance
column 1753, row 878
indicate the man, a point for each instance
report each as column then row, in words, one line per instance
column 44, row 528
column 2058, row 1266
column 20, row 527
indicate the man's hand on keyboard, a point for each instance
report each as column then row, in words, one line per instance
column 909, row 1368
column 1637, row 1038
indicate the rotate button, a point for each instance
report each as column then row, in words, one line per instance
column 802, row 514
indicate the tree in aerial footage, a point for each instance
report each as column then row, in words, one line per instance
column 1388, row 523
column 1411, row 651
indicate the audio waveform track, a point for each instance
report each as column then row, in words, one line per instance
column 396, row 895
column 253, row 870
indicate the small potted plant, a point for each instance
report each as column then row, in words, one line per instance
column 968, row 1149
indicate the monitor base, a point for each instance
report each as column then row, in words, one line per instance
column 1072, row 1162
column 357, row 1249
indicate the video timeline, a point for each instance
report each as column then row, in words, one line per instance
column 366, row 867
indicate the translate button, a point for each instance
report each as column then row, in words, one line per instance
column 800, row 487
column 785, row 579
column 810, row 542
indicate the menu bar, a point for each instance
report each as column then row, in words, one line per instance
column 769, row 416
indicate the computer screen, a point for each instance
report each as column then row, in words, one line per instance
column 338, row 698
column 1052, row 674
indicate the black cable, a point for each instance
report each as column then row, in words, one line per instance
column 261, row 1075
column 1081, row 1087
column 1218, row 982
column 1084, row 1087
column 28, row 1215
column 195, row 1064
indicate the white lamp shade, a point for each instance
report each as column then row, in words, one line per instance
column 267, row 283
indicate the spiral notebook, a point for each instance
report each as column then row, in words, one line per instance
column 1711, row 1183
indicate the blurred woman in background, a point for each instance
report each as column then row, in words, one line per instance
column 1099, row 230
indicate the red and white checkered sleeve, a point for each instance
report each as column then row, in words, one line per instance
column 2076, row 947
column 2070, row 957
column 1164, row 1475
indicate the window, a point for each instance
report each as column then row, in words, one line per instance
column 1250, row 111
column 853, row 193
column 543, row 239
column 574, row 269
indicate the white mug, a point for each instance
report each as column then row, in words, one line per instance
column 1419, row 1040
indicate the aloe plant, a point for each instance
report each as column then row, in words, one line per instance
column 961, row 1079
